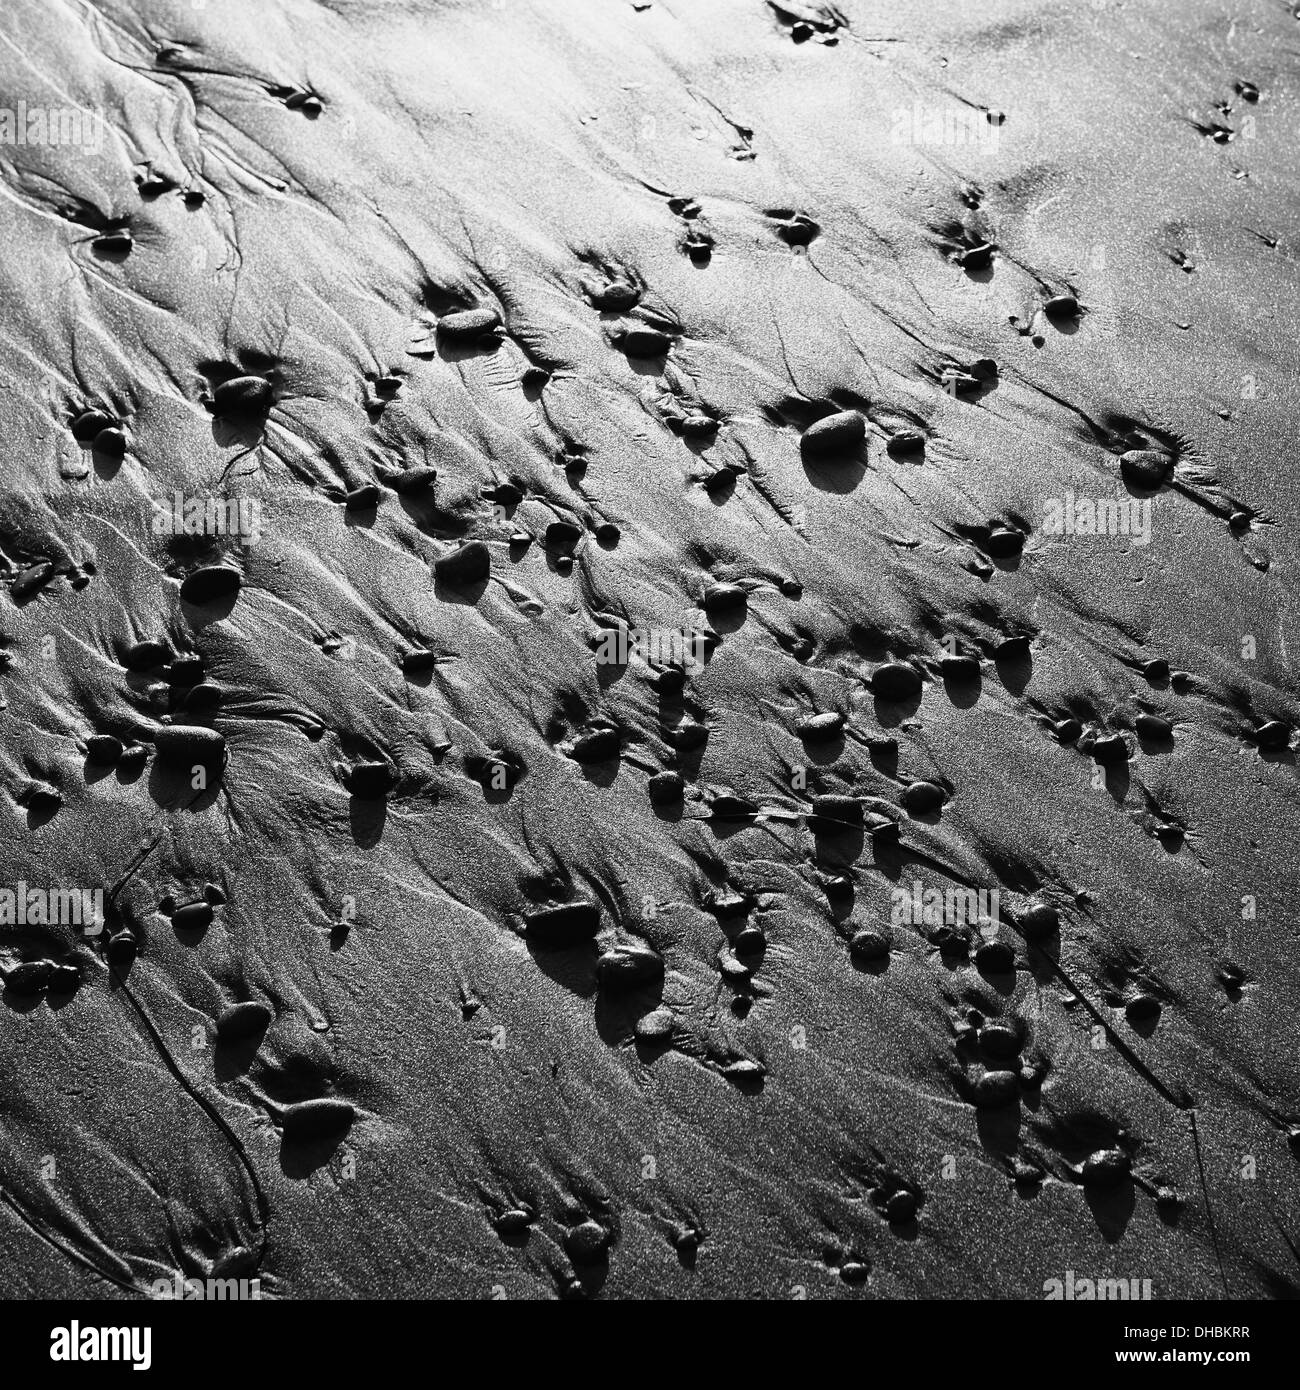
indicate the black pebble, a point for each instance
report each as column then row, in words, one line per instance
column 468, row 564
column 1005, row 542
column 565, row 925
column 146, row 656
column 210, row 584
column 895, row 680
column 665, row 788
column 370, row 781
column 103, row 749
column 835, row 434
column 243, row 399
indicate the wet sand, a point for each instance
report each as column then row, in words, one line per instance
column 672, row 486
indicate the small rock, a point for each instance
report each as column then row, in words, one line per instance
column 1038, row 920
column 665, row 788
column 901, row 1207
column 316, row 1119
column 1274, row 734
column 1153, row 728
column 628, row 967
column 111, row 443
column 725, row 599
column 750, row 941
column 975, row 257
column 513, row 1224
column 1105, row 1168
column 121, row 949
column 869, row 945
column 1004, row 542
column 132, row 760
column 1142, row 1008
column 244, row 1020
column 243, row 399
column 905, row 443
column 687, row 1240
column 362, row 499
column 1013, row 649
column 699, row 426
column 835, row 434
column 586, row 1242
column 89, row 424
column 960, row 670
column 999, row 1041
column 468, row 564
column 210, row 584
column 30, row 977
column 203, row 701
column 468, row 325
column 615, row 296
column 64, row 979
column 1110, row 748
column 922, row 798
column 655, row 1027
column 821, row 726
column 146, row 656
column 996, row 957
column 1144, row 468
column 567, row 924
column 895, row 681
column 562, row 537
column 597, row 746
column 1062, row 306
column 995, row 1088
column 189, row 746
column 185, row 670
column 31, row 580
column 192, row 917
column 645, row 342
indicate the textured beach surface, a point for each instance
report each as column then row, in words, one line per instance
column 704, row 479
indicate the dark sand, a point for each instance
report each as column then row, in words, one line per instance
column 409, row 755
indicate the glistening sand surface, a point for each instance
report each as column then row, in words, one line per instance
column 804, row 211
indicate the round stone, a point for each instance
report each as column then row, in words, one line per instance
column 665, row 788
column 1038, row 920
column 996, row 957
column 994, row 1089
column 655, row 1027
column 922, row 798
column 835, row 434
column 895, row 680
column 1005, row 542
column 242, row 399
column 1144, row 468
column 869, row 945
column 1105, row 1168
column 901, row 1207
column 103, row 749
column 586, row 1242
column 1142, row 1008
column 999, row 1041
